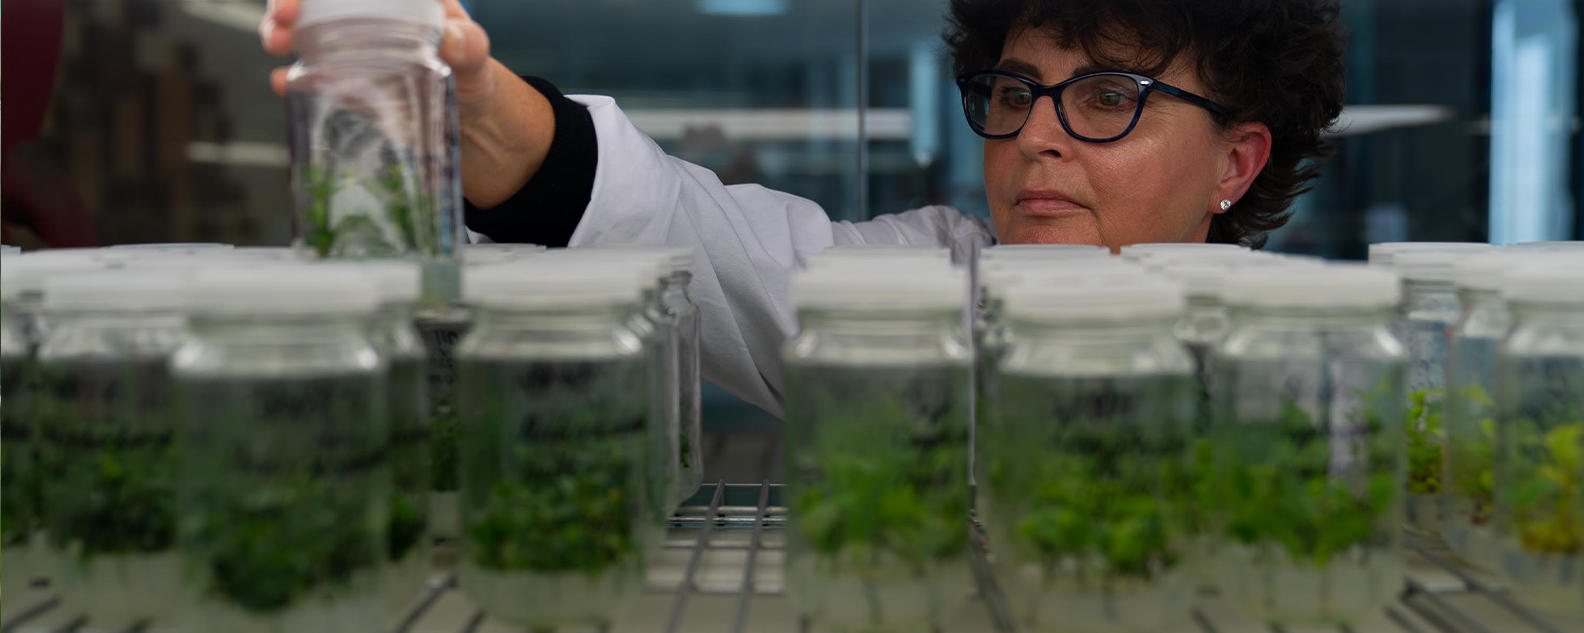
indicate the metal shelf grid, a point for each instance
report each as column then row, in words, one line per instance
column 719, row 571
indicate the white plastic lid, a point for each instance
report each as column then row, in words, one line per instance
column 1141, row 251
column 936, row 287
column 10, row 276
column 1106, row 297
column 1482, row 271
column 1383, row 254
column 1024, row 252
column 1329, row 286
column 396, row 282
column 34, row 268
column 10, row 250
column 1000, row 273
column 117, row 290
column 542, row 283
column 188, row 246
column 1427, row 265
column 282, row 289
column 654, row 262
column 430, row 12
column 1545, row 278
column 1548, row 247
column 491, row 254
column 1200, row 280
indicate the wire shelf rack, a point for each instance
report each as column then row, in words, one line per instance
column 720, row 571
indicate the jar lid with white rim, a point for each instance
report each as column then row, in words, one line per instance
column 555, row 283
column 1147, row 250
column 119, row 291
column 1333, row 286
column 1383, row 254
column 1546, row 279
column 1002, row 274
column 394, row 282
column 426, row 12
column 1427, row 266
column 34, row 268
column 928, row 288
column 281, row 289
column 676, row 259
column 1557, row 247
column 1107, row 298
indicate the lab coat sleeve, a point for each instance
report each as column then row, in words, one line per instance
column 747, row 242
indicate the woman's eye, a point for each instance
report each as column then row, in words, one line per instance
column 1016, row 97
column 1110, row 98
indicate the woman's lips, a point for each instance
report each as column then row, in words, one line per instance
column 1047, row 204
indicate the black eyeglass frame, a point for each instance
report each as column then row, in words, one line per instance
column 1147, row 85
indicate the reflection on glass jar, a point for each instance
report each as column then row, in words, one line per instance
column 1467, row 496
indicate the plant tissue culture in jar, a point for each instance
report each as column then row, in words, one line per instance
column 374, row 137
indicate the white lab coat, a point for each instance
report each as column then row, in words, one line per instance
column 747, row 240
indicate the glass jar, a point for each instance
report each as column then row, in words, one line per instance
column 1383, row 255
column 555, row 404
column 1466, row 493
column 285, row 475
column 1539, row 469
column 440, row 330
column 1206, row 320
column 682, row 316
column 876, row 446
column 392, row 333
column 1086, row 495
column 1308, row 456
column 373, row 136
column 19, row 518
column 101, row 401
column 1430, row 307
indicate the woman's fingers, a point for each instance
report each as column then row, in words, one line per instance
column 275, row 30
column 466, row 47
column 278, row 80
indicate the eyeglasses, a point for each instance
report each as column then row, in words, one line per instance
column 1097, row 108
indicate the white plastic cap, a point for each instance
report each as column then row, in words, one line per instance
column 178, row 247
column 34, row 268
column 117, row 290
column 1427, row 265
column 1545, row 278
column 1037, row 252
column 1000, row 273
column 925, row 287
column 10, row 250
column 1548, row 247
column 9, row 278
column 1482, row 271
column 1200, row 280
column 1142, row 251
column 1106, row 297
column 655, row 263
column 542, row 283
column 1329, row 286
column 1383, row 254
column 282, row 290
column 395, row 282
column 674, row 258
column 429, row 12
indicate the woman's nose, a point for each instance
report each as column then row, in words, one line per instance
column 1043, row 134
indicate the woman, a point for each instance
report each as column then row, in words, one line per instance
column 1108, row 122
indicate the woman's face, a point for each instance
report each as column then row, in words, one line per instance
column 1161, row 183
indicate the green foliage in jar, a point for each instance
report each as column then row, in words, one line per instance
column 410, row 213
column 1080, row 509
column 563, row 506
column 1546, row 488
column 1473, row 458
column 879, row 490
column 1280, row 489
column 444, row 426
column 685, row 451
column 269, row 547
column 1425, row 440
column 18, row 486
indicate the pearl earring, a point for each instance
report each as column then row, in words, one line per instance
column 1226, row 205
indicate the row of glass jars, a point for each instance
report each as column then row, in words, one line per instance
column 1108, row 484
column 113, row 473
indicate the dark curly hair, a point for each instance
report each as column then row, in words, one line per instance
column 1278, row 62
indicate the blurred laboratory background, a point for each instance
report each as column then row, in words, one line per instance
column 152, row 120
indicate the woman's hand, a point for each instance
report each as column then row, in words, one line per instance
column 506, row 125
